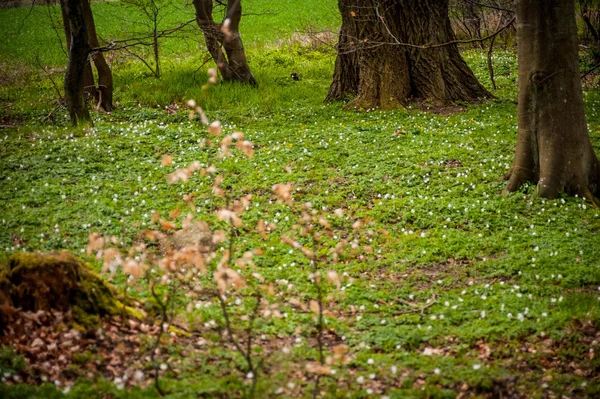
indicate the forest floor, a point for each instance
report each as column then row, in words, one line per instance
column 454, row 290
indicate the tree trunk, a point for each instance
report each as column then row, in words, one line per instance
column 472, row 19
column 78, row 55
column 553, row 145
column 375, row 66
column 104, row 96
column 156, row 52
column 232, row 63
column 347, row 70
column 234, row 46
column 89, row 86
column 585, row 16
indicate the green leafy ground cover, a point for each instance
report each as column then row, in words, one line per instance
column 509, row 285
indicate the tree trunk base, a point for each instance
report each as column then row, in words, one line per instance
column 553, row 149
column 376, row 68
column 552, row 188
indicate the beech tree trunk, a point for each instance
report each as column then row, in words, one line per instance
column 375, row 68
column 104, row 91
column 78, row 55
column 224, row 43
column 553, row 144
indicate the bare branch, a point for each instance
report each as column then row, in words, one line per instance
column 475, row 3
column 428, row 46
column 140, row 41
column 26, row 17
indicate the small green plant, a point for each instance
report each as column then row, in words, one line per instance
column 10, row 362
column 83, row 357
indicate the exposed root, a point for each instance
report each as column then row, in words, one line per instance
column 518, row 176
column 587, row 194
column 515, row 180
column 549, row 191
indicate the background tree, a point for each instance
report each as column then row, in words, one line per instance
column 475, row 19
column 387, row 56
column 223, row 40
column 103, row 92
column 471, row 18
column 590, row 15
column 88, row 75
column 553, row 146
column 152, row 13
column 79, row 49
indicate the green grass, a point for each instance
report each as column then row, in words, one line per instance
column 510, row 272
column 32, row 33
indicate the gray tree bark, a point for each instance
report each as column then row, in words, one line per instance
column 553, row 145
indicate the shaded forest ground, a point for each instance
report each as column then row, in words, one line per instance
column 509, row 285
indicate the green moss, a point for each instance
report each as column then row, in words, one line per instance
column 83, row 357
column 60, row 282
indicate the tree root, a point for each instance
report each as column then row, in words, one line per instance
column 587, row 194
column 515, row 181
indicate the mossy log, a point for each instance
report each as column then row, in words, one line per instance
column 60, row 282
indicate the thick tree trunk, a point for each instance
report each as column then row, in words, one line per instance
column 553, row 145
column 345, row 76
column 390, row 74
column 78, row 56
column 104, row 91
column 232, row 63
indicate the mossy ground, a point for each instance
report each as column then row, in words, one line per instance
column 515, row 279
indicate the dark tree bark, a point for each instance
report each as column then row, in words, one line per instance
column 224, row 42
column 347, row 71
column 155, row 49
column 104, row 91
column 376, row 68
column 78, row 56
column 553, row 144
column 89, row 85
column 471, row 16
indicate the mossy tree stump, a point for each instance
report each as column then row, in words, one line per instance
column 60, row 282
